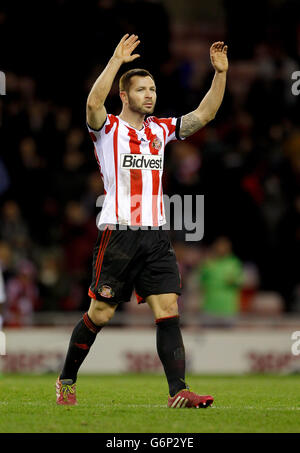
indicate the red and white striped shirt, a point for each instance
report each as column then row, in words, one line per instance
column 131, row 167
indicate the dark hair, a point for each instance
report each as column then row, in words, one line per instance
column 124, row 81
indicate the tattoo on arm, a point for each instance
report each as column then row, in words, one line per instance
column 190, row 124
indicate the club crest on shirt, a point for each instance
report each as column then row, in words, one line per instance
column 156, row 144
column 106, row 291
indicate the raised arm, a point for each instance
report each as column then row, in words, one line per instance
column 95, row 110
column 210, row 104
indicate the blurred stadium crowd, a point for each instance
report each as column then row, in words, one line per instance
column 246, row 162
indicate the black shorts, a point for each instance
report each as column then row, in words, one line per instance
column 127, row 260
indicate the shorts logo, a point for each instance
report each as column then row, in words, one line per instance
column 156, row 144
column 141, row 161
column 106, row 291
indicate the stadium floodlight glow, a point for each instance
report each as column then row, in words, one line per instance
column 2, row 83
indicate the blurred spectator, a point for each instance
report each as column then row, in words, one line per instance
column 5, row 268
column 94, row 189
column 4, row 178
column 70, row 181
column 13, row 228
column 268, row 304
column 184, row 168
column 221, row 278
column 55, row 285
column 7, row 261
column 22, row 296
column 246, row 162
column 249, row 288
column 30, row 180
column 188, row 256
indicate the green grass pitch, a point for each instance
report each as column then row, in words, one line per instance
column 137, row 404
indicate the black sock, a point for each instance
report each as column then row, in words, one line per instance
column 171, row 352
column 83, row 336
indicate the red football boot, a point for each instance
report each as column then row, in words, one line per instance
column 65, row 392
column 186, row 398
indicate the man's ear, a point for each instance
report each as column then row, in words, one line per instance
column 124, row 97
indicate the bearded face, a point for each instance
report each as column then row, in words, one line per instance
column 141, row 97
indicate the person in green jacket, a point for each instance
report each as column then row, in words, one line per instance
column 221, row 279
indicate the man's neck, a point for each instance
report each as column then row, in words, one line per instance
column 135, row 120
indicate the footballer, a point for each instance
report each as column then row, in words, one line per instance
column 129, row 149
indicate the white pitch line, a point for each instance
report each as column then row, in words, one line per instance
column 151, row 406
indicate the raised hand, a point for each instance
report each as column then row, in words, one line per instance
column 125, row 48
column 218, row 56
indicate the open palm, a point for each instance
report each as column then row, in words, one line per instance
column 125, row 48
column 218, row 56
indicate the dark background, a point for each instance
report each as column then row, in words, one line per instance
column 246, row 162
